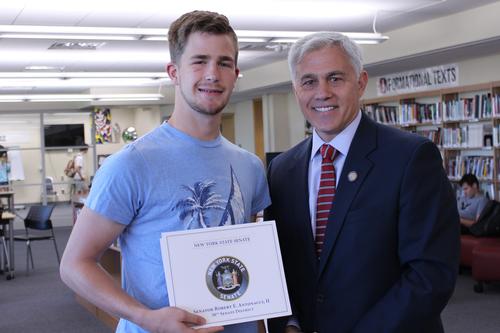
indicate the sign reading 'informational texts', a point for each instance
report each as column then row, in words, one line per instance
column 418, row 80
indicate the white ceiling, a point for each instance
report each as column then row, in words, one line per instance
column 151, row 56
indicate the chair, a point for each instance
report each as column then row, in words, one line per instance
column 486, row 263
column 38, row 218
column 49, row 188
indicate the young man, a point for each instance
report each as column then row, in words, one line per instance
column 472, row 201
column 182, row 175
column 366, row 217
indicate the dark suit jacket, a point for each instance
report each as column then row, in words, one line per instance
column 391, row 252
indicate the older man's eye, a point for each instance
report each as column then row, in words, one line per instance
column 307, row 83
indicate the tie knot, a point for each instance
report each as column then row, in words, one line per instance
column 328, row 152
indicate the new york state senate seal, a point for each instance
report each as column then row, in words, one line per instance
column 227, row 278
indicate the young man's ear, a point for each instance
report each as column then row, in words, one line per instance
column 237, row 70
column 172, row 72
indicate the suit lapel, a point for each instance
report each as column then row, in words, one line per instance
column 299, row 171
column 363, row 143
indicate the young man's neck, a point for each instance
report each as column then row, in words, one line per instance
column 200, row 126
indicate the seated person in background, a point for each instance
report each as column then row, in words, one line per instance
column 471, row 202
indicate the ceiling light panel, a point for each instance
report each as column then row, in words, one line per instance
column 69, row 75
column 47, row 29
column 76, row 97
column 96, row 82
column 159, row 34
column 102, row 56
column 76, row 45
column 42, row 68
column 66, row 36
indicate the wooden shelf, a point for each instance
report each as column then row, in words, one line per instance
column 457, row 102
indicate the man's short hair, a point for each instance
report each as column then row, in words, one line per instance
column 469, row 179
column 198, row 21
column 85, row 147
column 320, row 40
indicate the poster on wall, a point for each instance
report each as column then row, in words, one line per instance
column 423, row 79
column 103, row 128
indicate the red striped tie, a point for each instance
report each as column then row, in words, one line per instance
column 326, row 193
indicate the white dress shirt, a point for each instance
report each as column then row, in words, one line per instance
column 342, row 143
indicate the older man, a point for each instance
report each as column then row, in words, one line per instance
column 366, row 216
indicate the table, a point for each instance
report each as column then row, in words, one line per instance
column 8, row 215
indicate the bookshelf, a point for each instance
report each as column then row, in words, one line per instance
column 464, row 122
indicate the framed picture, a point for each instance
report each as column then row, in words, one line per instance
column 100, row 159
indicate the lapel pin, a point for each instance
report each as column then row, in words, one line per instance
column 352, row 176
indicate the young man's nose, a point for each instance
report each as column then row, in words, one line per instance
column 212, row 73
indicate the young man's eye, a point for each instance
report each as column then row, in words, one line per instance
column 226, row 64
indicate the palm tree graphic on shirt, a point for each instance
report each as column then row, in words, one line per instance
column 202, row 199
column 198, row 203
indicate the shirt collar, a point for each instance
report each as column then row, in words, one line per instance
column 341, row 141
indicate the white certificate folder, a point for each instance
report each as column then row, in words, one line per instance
column 228, row 274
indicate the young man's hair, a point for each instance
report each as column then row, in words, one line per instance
column 469, row 179
column 198, row 21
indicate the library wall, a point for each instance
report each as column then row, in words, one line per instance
column 297, row 121
column 480, row 23
column 473, row 71
column 284, row 124
column 56, row 160
column 426, row 38
column 243, row 124
column 22, row 130
column 22, row 135
column 146, row 119
column 276, row 120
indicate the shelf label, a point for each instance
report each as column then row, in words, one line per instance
column 423, row 79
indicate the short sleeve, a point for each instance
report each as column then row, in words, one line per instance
column 481, row 206
column 261, row 198
column 117, row 192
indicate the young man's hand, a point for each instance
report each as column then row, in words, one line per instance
column 174, row 320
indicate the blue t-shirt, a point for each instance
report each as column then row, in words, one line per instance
column 168, row 181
